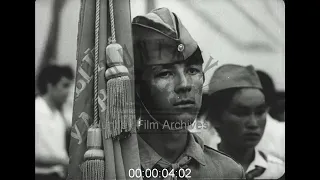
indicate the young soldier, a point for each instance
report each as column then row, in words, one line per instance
column 238, row 111
column 169, row 80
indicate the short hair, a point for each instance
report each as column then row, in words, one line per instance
column 52, row 74
column 279, row 106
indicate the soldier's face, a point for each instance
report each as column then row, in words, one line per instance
column 242, row 123
column 174, row 91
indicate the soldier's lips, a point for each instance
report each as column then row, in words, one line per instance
column 252, row 136
column 184, row 104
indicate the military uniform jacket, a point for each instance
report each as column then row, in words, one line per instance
column 202, row 161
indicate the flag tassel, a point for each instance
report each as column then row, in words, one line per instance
column 93, row 165
column 121, row 103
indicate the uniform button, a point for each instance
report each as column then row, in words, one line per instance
column 180, row 47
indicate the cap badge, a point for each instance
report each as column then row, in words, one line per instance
column 180, row 47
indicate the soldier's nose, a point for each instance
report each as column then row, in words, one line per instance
column 183, row 83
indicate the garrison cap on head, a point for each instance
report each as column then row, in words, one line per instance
column 159, row 37
column 234, row 76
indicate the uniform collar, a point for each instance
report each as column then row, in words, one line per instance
column 195, row 149
column 260, row 160
column 149, row 158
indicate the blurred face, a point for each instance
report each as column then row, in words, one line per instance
column 242, row 123
column 174, row 91
column 60, row 91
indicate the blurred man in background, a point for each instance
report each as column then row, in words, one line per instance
column 51, row 126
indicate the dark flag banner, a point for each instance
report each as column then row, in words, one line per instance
column 94, row 33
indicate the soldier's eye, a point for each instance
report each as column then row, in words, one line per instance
column 240, row 112
column 164, row 74
column 193, row 71
column 261, row 111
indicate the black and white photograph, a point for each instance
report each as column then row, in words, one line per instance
column 159, row 89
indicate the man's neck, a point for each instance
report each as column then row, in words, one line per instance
column 243, row 156
column 169, row 144
column 52, row 105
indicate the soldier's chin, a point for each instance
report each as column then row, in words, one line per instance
column 186, row 117
column 181, row 122
column 251, row 143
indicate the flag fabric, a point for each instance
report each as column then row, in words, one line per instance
column 120, row 154
column 82, row 115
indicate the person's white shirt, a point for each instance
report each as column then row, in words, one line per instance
column 272, row 141
column 274, row 168
column 50, row 142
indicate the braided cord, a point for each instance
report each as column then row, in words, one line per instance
column 96, row 59
column 113, row 29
